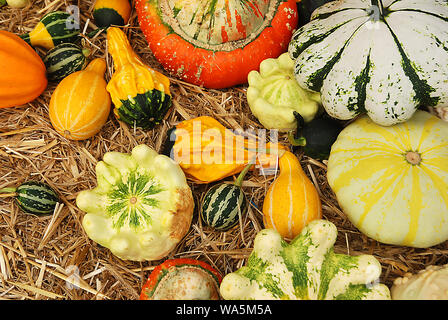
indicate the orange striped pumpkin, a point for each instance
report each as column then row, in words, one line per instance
column 80, row 105
column 292, row 201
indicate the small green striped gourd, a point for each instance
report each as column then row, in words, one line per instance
column 224, row 204
column 307, row 268
column 34, row 197
column 54, row 28
column 381, row 57
column 65, row 59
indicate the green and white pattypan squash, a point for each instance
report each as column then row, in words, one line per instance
column 142, row 206
column 392, row 182
column 305, row 269
column 273, row 95
column 380, row 57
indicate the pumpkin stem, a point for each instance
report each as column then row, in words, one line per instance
column 298, row 140
column 239, row 180
column 413, row 158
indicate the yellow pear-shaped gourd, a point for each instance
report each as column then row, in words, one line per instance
column 80, row 104
column 140, row 94
column 292, row 201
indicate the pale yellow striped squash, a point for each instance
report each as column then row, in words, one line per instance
column 291, row 201
column 80, row 104
column 392, row 182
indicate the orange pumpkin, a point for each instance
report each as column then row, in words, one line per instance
column 22, row 71
column 292, row 201
column 80, row 104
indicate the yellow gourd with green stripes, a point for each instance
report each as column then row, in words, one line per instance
column 80, row 104
column 392, row 182
column 292, row 201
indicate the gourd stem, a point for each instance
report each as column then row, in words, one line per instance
column 239, row 180
column 413, row 158
column 298, row 140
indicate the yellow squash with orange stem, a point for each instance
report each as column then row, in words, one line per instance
column 80, row 104
column 207, row 151
column 140, row 94
column 292, row 201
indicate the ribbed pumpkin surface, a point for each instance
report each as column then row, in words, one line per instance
column 22, row 72
column 292, row 200
column 392, row 182
column 80, row 105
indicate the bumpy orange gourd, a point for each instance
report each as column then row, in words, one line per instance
column 22, row 72
column 292, row 201
column 80, row 105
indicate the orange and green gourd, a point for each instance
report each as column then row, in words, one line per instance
column 292, row 201
column 140, row 94
column 80, row 104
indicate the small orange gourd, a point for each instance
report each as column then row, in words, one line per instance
column 80, row 104
column 292, row 201
column 22, row 71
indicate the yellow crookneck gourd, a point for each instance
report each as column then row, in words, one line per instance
column 140, row 94
column 80, row 104
column 292, row 201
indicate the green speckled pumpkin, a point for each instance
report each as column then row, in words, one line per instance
column 306, row 269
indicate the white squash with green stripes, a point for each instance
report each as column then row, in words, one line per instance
column 380, row 57
column 305, row 269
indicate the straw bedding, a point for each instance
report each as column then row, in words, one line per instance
column 52, row 257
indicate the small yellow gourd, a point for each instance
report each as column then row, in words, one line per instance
column 80, row 104
column 292, row 201
column 140, row 94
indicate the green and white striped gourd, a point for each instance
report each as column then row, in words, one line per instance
column 305, row 269
column 380, row 57
column 54, row 28
column 64, row 59
column 225, row 203
column 34, row 197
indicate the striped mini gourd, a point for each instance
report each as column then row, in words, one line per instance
column 64, row 59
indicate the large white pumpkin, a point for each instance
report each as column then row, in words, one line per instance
column 380, row 57
column 392, row 182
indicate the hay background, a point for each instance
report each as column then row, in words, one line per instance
column 36, row 253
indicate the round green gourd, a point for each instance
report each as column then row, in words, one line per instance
column 34, row 197
column 224, row 203
column 65, row 59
